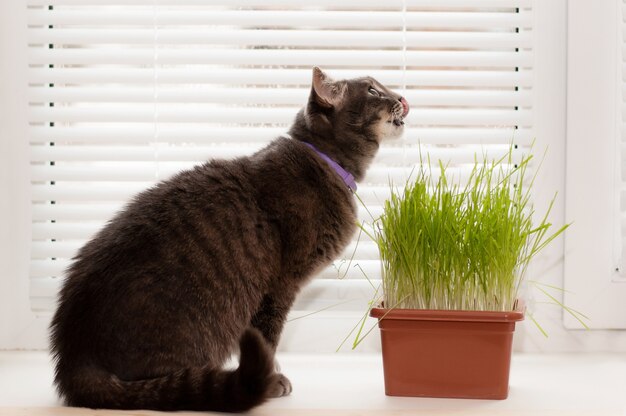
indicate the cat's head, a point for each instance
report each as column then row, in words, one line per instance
column 350, row 118
column 361, row 106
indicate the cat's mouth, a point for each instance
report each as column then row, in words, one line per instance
column 397, row 118
column 399, row 112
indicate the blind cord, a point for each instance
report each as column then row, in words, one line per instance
column 404, row 41
column 155, row 92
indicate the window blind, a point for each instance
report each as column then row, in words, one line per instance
column 126, row 93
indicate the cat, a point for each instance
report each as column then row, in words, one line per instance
column 211, row 260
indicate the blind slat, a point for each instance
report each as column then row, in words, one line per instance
column 194, row 114
column 85, row 226
column 316, row 295
column 41, row 250
column 130, row 133
column 125, row 190
column 266, row 77
column 88, row 211
column 283, row 38
column 49, row 268
column 207, row 56
column 282, row 96
column 144, row 172
column 345, row 4
column 42, row 212
column 278, row 18
column 389, row 153
column 342, row 294
column 133, row 133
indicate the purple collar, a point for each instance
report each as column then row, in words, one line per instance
column 344, row 174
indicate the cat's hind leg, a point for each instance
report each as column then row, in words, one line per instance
column 270, row 320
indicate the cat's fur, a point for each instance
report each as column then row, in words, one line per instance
column 211, row 260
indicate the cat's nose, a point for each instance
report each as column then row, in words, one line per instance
column 405, row 106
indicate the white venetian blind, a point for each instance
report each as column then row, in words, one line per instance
column 124, row 93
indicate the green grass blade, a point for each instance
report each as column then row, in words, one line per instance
column 569, row 310
column 543, row 331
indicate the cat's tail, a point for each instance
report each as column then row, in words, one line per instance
column 189, row 389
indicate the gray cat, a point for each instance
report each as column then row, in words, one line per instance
column 212, row 259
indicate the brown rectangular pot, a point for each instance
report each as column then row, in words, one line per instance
column 437, row 353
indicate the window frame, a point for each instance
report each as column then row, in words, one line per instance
column 594, row 125
column 22, row 328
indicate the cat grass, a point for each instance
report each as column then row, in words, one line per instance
column 444, row 245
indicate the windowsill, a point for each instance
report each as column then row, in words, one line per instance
column 549, row 384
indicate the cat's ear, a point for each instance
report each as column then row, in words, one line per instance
column 326, row 92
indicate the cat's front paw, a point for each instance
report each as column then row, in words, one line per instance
column 280, row 386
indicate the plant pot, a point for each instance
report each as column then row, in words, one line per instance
column 439, row 353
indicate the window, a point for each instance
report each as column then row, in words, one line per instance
column 122, row 94
column 595, row 274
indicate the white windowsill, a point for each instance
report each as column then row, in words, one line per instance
column 352, row 384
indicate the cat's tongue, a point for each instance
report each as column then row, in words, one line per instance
column 405, row 106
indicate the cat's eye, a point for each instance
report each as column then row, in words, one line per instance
column 374, row 92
